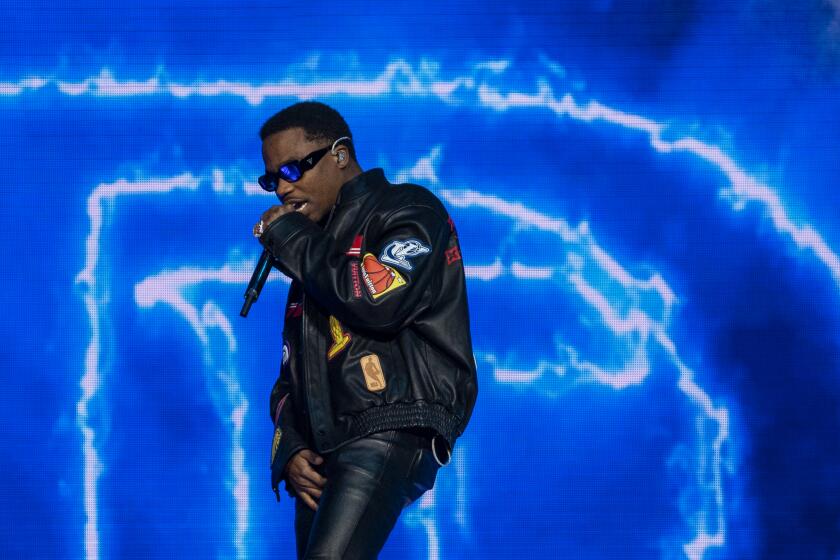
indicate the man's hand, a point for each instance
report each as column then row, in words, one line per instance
column 269, row 216
column 306, row 482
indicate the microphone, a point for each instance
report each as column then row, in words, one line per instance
column 258, row 278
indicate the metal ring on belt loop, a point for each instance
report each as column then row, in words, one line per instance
column 434, row 452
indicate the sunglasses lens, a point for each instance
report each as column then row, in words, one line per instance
column 267, row 183
column 290, row 172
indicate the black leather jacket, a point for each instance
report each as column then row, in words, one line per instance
column 376, row 333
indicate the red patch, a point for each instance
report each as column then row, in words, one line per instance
column 294, row 310
column 279, row 408
column 451, row 224
column 355, row 250
column 452, row 255
column 357, row 280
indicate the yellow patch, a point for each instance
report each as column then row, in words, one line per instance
column 379, row 278
column 278, row 434
column 374, row 378
column 340, row 338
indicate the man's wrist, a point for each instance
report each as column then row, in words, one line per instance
column 282, row 229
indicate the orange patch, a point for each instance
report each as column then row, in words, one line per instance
column 379, row 278
column 372, row 369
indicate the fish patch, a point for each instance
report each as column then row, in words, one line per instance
column 398, row 252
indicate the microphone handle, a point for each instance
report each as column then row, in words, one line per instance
column 258, row 278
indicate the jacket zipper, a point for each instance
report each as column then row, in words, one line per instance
column 304, row 344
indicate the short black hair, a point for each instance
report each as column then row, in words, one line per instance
column 318, row 120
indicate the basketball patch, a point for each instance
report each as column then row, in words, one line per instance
column 379, row 278
column 372, row 370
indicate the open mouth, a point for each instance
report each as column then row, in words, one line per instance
column 298, row 204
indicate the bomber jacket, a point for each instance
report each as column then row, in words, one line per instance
column 376, row 333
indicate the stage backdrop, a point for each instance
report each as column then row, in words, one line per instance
column 647, row 199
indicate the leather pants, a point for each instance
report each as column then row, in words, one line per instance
column 369, row 482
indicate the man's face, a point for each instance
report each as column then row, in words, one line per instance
column 314, row 194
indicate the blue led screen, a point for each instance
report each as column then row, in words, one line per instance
column 646, row 196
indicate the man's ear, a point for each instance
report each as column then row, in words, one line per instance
column 343, row 158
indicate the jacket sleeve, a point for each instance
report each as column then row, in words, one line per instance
column 287, row 438
column 384, row 288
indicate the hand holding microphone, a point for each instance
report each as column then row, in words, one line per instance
column 263, row 268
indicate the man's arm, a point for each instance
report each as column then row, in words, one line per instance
column 383, row 289
column 287, row 436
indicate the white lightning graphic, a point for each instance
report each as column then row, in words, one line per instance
column 96, row 299
column 168, row 288
column 589, row 273
column 401, row 79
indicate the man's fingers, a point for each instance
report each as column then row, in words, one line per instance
column 274, row 212
column 312, row 491
column 305, row 486
column 311, row 456
column 312, row 475
column 307, row 499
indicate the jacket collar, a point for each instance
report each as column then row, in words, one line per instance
column 363, row 183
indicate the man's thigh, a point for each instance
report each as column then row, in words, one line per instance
column 369, row 482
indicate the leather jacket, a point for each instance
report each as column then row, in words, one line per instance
column 376, row 333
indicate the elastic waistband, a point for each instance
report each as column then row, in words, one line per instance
column 410, row 437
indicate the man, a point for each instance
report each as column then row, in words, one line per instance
column 378, row 378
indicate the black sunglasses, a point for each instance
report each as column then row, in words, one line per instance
column 292, row 171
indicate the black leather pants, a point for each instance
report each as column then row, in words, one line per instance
column 369, row 482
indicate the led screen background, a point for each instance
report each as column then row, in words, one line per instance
column 647, row 204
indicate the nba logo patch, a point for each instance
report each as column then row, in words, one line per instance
column 372, row 370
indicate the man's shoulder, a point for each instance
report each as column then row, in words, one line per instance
column 410, row 197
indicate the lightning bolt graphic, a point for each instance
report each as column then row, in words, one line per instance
column 400, row 79
column 167, row 288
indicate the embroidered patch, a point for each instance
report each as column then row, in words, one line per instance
column 286, row 352
column 398, row 252
column 295, row 309
column 279, row 408
column 451, row 224
column 340, row 338
column 453, row 254
column 372, row 369
column 379, row 278
column 355, row 277
column 275, row 445
column 356, row 249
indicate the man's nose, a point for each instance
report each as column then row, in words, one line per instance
column 283, row 189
